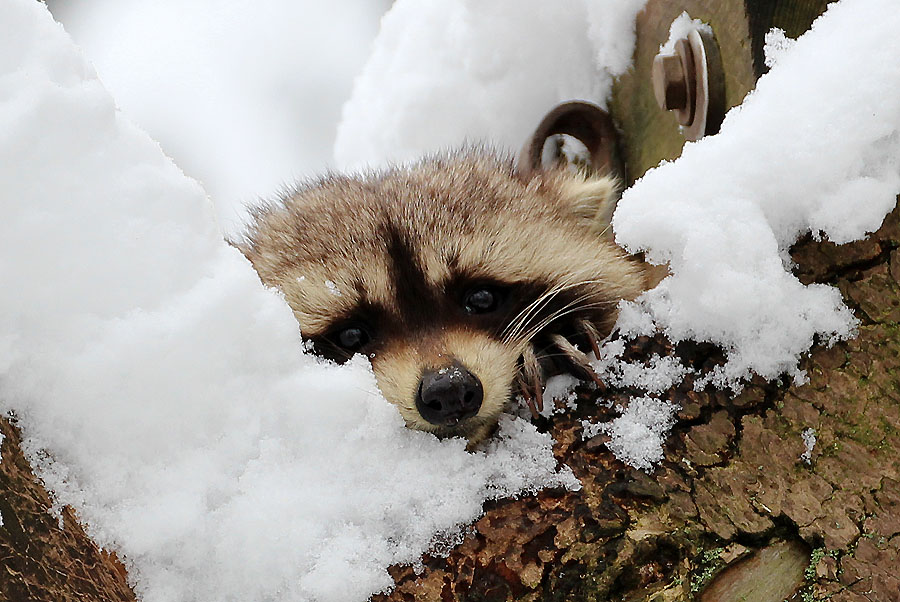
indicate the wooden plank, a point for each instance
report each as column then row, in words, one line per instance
column 650, row 134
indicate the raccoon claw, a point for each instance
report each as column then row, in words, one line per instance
column 578, row 358
column 593, row 336
column 529, row 400
column 532, row 376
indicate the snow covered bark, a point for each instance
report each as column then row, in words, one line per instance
column 745, row 506
column 44, row 552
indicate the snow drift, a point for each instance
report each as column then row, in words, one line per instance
column 181, row 416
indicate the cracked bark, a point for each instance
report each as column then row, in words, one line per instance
column 733, row 512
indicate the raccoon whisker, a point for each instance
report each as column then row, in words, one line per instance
column 593, row 336
column 532, row 371
column 549, row 356
column 521, row 330
column 569, row 309
column 521, row 319
column 577, row 357
column 562, row 312
column 518, row 324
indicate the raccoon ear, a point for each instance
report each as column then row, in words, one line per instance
column 592, row 199
column 593, row 190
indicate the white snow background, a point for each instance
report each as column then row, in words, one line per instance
column 184, row 422
column 244, row 95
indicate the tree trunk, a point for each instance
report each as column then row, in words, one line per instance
column 45, row 554
column 733, row 512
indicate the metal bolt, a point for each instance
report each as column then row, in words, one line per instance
column 669, row 82
column 690, row 82
column 675, row 80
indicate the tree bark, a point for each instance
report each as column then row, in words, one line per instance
column 45, row 554
column 733, row 512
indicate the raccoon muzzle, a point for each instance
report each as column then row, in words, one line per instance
column 449, row 395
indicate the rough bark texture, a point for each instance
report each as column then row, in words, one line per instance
column 45, row 555
column 733, row 513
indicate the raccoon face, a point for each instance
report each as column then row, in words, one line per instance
column 461, row 278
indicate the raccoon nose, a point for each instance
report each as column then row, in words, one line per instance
column 449, row 395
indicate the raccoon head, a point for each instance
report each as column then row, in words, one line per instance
column 460, row 277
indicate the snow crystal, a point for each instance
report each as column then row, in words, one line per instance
column 809, row 440
column 333, row 288
column 449, row 71
column 637, row 435
column 786, row 162
column 776, row 44
column 164, row 393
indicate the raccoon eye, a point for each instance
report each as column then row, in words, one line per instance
column 481, row 301
column 352, row 338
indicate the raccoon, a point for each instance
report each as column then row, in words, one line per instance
column 462, row 277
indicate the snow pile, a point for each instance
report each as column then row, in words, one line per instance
column 637, row 435
column 245, row 95
column 655, row 375
column 680, row 28
column 809, row 442
column 815, row 148
column 447, row 71
column 184, row 422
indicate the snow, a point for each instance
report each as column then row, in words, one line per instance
column 245, row 95
column 655, row 375
column 776, row 44
column 165, row 394
column 559, row 394
column 444, row 72
column 680, row 28
column 815, row 148
column 637, row 434
column 333, row 288
column 809, row 441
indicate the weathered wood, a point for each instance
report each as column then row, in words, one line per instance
column 771, row 574
column 649, row 134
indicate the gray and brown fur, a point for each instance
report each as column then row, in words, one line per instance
column 398, row 251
